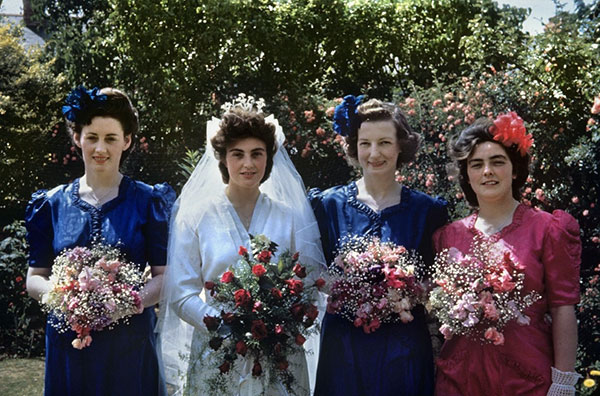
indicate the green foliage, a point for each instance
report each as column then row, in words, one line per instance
column 21, row 320
column 188, row 163
column 30, row 96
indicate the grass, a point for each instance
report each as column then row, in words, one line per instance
column 23, row 377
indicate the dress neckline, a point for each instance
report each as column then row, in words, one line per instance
column 105, row 207
column 354, row 201
column 236, row 217
column 516, row 221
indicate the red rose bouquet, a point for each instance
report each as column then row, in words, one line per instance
column 92, row 288
column 374, row 282
column 267, row 311
column 478, row 293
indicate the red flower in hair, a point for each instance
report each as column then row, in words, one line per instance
column 508, row 129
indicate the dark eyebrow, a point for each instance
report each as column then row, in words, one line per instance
column 494, row 157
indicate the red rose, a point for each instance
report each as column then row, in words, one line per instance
column 295, row 256
column 300, row 271
column 243, row 251
column 256, row 369
column 275, row 292
column 209, row 285
column 242, row 298
column 258, row 329
column 320, row 283
column 211, row 322
column 300, row 339
column 19, row 279
column 227, row 277
column 228, row 317
column 241, row 348
column 215, row 343
column 264, row 256
column 278, row 329
column 259, row 270
column 282, row 364
column 297, row 311
column 224, row 368
column 295, row 286
column 311, row 312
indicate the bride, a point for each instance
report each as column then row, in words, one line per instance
column 244, row 184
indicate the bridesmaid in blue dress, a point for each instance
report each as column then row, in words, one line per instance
column 106, row 206
column 397, row 358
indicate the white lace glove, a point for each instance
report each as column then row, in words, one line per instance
column 563, row 383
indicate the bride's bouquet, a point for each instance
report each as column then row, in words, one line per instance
column 267, row 312
column 374, row 282
column 92, row 289
column 478, row 293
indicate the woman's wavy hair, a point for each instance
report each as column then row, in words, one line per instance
column 461, row 149
column 118, row 106
column 376, row 110
column 239, row 124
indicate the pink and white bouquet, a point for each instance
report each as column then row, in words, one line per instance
column 92, row 288
column 267, row 313
column 374, row 282
column 477, row 294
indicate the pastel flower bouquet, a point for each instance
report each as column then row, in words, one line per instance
column 267, row 312
column 92, row 289
column 374, row 282
column 478, row 293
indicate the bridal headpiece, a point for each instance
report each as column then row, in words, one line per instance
column 246, row 102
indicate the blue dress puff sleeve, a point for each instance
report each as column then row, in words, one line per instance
column 315, row 197
column 157, row 226
column 562, row 259
column 38, row 221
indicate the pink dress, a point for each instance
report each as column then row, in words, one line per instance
column 549, row 247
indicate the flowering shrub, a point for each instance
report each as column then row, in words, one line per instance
column 313, row 146
column 21, row 320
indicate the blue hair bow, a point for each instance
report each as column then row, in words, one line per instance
column 345, row 117
column 81, row 99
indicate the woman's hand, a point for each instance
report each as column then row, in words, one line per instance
column 38, row 283
column 150, row 293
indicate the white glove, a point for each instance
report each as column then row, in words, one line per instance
column 563, row 383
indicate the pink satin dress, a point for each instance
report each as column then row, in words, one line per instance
column 549, row 247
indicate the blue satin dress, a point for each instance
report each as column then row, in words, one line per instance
column 397, row 358
column 123, row 360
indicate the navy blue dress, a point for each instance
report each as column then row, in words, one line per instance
column 397, row 358
column 124, row 360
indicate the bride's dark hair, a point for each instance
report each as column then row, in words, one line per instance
column 239, row 124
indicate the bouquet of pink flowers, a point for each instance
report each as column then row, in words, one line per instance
column 267, row 311
column 478, row 293
column 92, row 288
column 374, row 282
